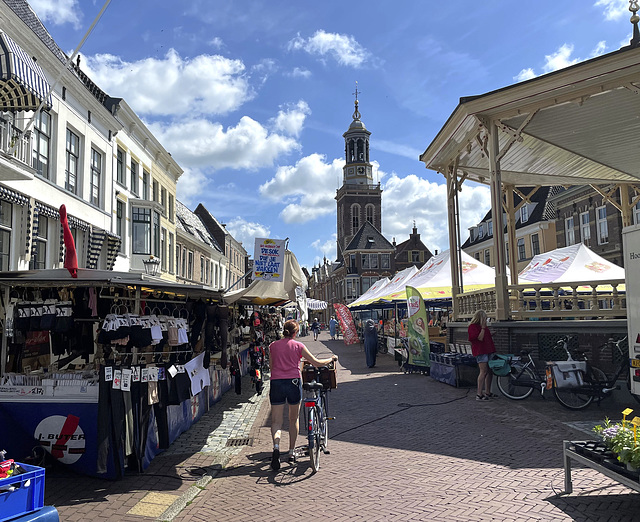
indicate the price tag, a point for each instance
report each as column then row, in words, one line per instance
column 108, row 373
column 126, row 380
column 117, row 379
column 173, row 371
column 145, row 374
column 635, row 421
column 627, row 412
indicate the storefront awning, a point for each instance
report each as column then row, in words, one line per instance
column 23, row 84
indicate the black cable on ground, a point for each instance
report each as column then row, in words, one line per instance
column 404, row 406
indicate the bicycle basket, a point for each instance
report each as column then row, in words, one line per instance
column 501, row 365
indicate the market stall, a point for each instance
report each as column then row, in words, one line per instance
column 107, row 369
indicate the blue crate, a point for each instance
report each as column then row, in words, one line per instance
column 27, row 496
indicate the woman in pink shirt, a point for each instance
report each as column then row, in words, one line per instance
column 286, row 386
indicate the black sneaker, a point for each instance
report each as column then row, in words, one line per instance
column 275, row 460
column 292, row 458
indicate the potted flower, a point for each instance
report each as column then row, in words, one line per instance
column 621, row 441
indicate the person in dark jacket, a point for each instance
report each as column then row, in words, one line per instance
column 315, row 328
column 370, row 342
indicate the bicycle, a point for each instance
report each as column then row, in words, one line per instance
column 316, row 414
column 595, row 384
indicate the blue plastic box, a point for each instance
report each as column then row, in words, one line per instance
column 27, row 496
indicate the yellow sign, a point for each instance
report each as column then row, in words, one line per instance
column 635, row 421
column 635, row 363
column 627, row 412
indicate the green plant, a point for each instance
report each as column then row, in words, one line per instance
column 621, row 441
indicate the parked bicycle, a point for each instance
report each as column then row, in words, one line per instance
column 316, row 414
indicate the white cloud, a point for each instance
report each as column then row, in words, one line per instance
column 58, row 12
column 216, row 42
column 291, row 120
column 201, row 143
column 327, row 249
column 599, row 49
column 410, row 199
column 206, row 84
column 342, row 48
column 525, row 74
column 300, row 73
column 560, row 59
column 247, row 231
column 307, row 188
column 264, row 69
column 613, row 9
column 190, row 184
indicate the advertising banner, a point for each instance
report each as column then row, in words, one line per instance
column 268, row 261
column 347, row 325
column 417, row 331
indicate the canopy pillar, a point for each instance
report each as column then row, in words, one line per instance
column 502, row 291
column 626, row 205
column 512, row 253
column 454, row 231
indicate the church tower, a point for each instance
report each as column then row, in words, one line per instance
column 359, row 199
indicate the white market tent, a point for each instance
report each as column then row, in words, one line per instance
column 371, row 293
column 397, row 284
column 263, row 292
column 569, row 264
column 433, row 280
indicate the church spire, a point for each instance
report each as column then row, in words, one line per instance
column 357, row 170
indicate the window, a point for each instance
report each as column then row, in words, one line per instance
column 190, row 266
column 215, row 275
column 480, row 231
column 636, row 213
column 170, row 255
column 120, row 166
column 156, row 234
column 569, row 232
column 134, row 176
column 145, row 184
column 524, row 214
column 365, row 261
column 585, row 228
column 490, row 228
column 472, row 234
column 154, row 191
column 202, row 269
column 352, row 288
column 535, row 245
column 163, row 249
column 6, row 212
column 373, row 260
column 477, row 256
column 163, row 200
column 141, row 222
column 207, row 281
column 73, row 160
column 120, row 223
column 184, row 262
column 602, row 226
column 367, row 282
column 369, row 209
column 487, row 257
column 41, row 143
column 96, row 177
column 415, row 256
column 40, row 260
column 355, row 218
column 171, row 207
column 385, row 261
column 352, row 260
column 522, row 253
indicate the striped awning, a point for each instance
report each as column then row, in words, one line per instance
column 23, row 84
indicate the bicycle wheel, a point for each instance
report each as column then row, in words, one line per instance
column 576, row 398
column 518, row 384
column 314, row 439
column 323, row 425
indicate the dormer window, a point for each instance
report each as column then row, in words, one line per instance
column 472, row 234
column 480, row 231
column 490, row 228
column 524, row 214
column 370, row 239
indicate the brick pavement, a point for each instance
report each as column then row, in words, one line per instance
column 403, row 447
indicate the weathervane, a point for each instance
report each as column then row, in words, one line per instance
column 634, row 8
column 356, row 113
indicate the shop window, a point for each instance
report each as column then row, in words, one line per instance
column 96, row 177
column 120, row 168
column 602, row 226
column 141, row 230
column 72, row 162
column 42, row 143
column 569, row 232
column 535, row 245
column 522, row 253
column 134, row 176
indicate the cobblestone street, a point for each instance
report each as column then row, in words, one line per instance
column 403, row 447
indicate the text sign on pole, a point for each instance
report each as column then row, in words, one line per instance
column 268, row 259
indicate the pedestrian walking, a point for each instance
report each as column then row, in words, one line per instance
column 332, row 327
column 286, row 386
column 370, row 342
column 315, row 328
column 482, row 348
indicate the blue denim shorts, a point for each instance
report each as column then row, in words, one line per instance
column 285, row 391
column 483, row 358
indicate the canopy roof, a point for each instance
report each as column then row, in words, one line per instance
column 577, row 125
column 397, row 284
column 568, row 264
column 433, row 280
column 263, row 292
column 371, row 293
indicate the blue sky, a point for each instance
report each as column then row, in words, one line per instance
column 252, row 97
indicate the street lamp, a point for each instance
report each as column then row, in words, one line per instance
column 151, row 265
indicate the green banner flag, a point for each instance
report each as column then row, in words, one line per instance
column 418, row 331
